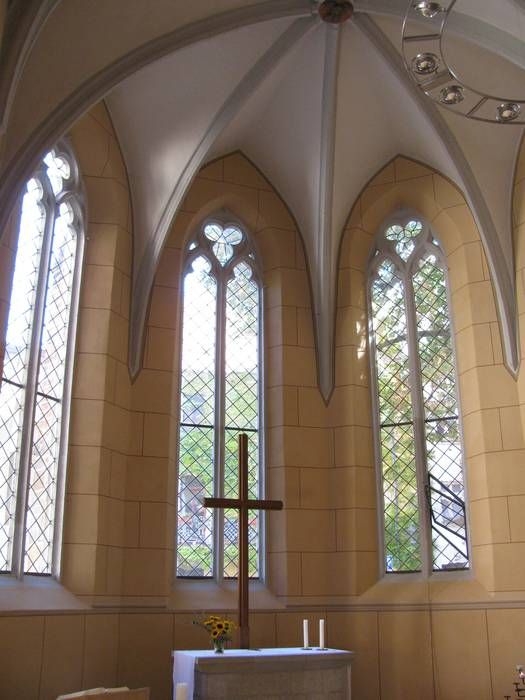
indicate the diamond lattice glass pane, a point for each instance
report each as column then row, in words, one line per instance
column 444, row 455
column 18, row 338
column 253, row 543
column 11, row 410
column 42, row 487
column 46, row 433
column 242, row 350
column 231, row 544
column 241, row 396
column 198, row 346
column 449, row 533
column 194, row 522
column 57, row 308
column 231, row 490
column 435, row 343
column 400, row 499
column 391, row 346
column 196, row 439
column 24, row 285
column 404, row 237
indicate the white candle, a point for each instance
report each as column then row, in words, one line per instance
column 321, row 634
column 305, row 634
column 181, row 691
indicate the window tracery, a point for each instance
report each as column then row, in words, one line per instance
column 37, row 369
column 418, row 431
column 220, row 397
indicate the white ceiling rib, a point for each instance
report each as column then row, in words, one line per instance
column 323, row 271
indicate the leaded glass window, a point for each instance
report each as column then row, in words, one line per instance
column 35, row 390
column 418, row 440
column 220, row 397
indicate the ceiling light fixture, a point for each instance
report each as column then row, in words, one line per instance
column 428, row 9
column 426, row 64
column 508, row 111
column 451, row 95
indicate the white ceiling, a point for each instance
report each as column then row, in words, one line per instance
column 169, row 121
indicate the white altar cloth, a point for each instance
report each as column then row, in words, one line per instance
column 185, row 663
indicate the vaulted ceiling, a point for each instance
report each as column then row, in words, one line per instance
column 319, row 108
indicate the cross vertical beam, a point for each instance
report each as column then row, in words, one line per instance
column 243, row 504
column 244, row 578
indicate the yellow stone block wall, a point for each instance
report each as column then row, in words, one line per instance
column 96, row 513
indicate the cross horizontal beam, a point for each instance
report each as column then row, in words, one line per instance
column 240, row 504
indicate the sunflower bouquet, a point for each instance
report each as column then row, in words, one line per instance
column 219, row 629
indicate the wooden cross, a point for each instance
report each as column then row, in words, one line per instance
column 243, row 504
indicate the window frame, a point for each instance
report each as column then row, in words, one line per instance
column 73, row 194
column 378, row 254
column 222, row 274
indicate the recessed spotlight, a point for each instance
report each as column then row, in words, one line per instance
column 508, row 111
column 451, row 95
column 425, row 63
column 428, row 9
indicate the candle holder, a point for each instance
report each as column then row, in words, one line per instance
column 519, row 686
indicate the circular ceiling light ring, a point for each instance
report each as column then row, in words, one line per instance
column 477, row 105
column 336, row 11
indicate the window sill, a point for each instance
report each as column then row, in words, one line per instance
column 35, row 593
column 198, row 594
column 434, row 576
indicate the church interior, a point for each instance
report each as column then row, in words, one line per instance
column 297, row 219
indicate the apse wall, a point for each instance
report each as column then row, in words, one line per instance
column 413, row 622
column 127, row 614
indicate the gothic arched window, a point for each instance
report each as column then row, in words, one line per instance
column 417, row 424
column 220, row 397
column 37, row 367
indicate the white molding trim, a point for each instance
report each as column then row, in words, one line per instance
column 502, row 276
column 146, row 268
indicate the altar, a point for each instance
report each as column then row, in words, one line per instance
column 264, row 674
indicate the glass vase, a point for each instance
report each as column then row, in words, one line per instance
column 218, row 646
